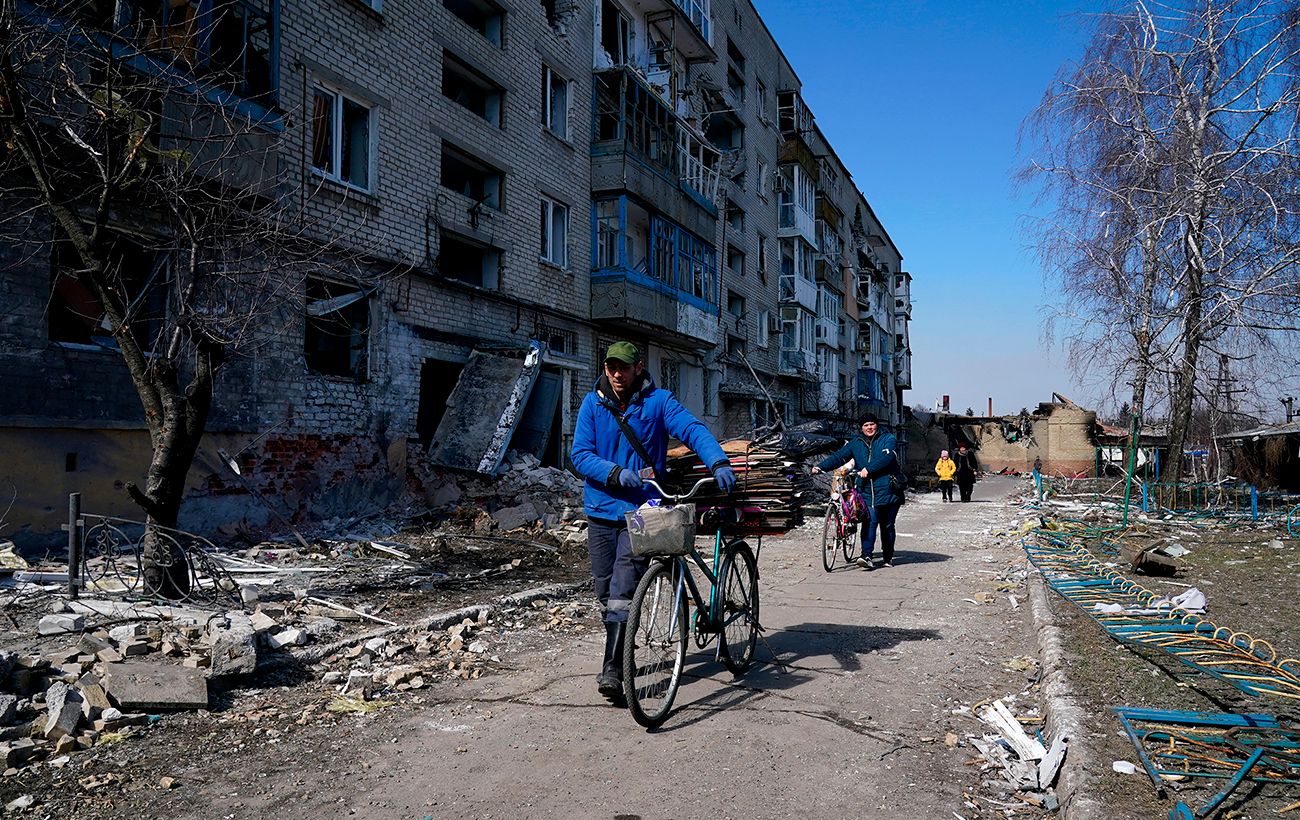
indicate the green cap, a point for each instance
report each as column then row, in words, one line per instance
column 624, row 352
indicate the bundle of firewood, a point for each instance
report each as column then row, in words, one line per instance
column 769, row 484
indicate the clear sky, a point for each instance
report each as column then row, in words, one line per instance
column 923, row 101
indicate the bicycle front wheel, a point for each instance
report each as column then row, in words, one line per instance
column 655, row 647
column 849, row 538
column 739, row 608
column 832, row 529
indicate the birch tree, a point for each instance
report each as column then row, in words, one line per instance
column 1169, row 156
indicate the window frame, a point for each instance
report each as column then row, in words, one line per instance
column 549, row 77
column 547, row 239
column 366, row 297
column 340, row 95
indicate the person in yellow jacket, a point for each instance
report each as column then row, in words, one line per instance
column 945, row 468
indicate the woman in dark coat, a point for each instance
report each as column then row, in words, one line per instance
column 967, row 469
column 875, row 459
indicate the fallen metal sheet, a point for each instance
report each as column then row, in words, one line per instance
column 483, row 410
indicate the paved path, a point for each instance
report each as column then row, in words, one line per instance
column 851, row 722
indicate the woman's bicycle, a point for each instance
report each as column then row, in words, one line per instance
column 661, row 613
column 839, row 533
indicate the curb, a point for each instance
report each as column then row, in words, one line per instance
column 442, row 620
column 1075, row 785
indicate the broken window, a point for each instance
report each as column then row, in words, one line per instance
column 683, row 260
column 469, row 261
column 555, row 233
column 142, row 277
column 762, row 257
column 555, row 102
column 484, row 16
column 341, row 137
column 735, row 261
column 337, row 338
column 763, row 329
column 762, row 179
column 735, row 304
column 735, row 346
column 229, row 43
column 615, row 33
column 471, row 177
column 726, row 132
column 735, row 216
column 470, row 89
column 760, row 100
column 437, row 379
column 626, row 110
column 736, row 83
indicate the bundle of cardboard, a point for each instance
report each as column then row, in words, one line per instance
column 769, row 487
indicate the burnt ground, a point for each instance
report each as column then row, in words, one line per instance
column 1252, row 585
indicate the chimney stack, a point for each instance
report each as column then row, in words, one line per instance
column 990, row 405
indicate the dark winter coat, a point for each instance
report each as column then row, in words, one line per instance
column 879, row 456
column 967, row 466
column 601, row 451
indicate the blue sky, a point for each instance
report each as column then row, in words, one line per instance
column 923, row 101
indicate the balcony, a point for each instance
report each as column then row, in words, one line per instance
column 828, row 331
column 798, row 363
column 230, row 48
column 669, row 290
column 687, row 24
column 799, row 290
column 641, row 147
column 903, row 369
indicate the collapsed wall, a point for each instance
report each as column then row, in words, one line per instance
column 1062, row 436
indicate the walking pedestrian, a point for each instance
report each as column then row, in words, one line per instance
column 945, row 468
column 622, row 437
column 875, row 455
column 967, row 470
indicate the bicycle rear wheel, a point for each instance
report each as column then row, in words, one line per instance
column 739, row 633
column 655, row 647
column 832, row 526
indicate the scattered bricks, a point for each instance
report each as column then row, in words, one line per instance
column 91, row 643
column 287, row 637
column 93, row 696
column 234, row 645
column 197, row 662
column 18, row 752
column 60, row 623
column 263, row 622
column 67, row 672
column 513, row 518
column 8, row 709
column 125, row 632
column 109, row 655
column 375, row 646
column 27, row 681
column 135, row 647
column 156, row 686
column 66, row 744
column 249, row 595
column 62, row 711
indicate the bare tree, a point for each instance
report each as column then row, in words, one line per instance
column 141, row 150
column 1170, row 156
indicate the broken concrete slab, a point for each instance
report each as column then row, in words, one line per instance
column 263, row 622
column 513, row 518
column 17, row 752
column 233, row 642
column 93, row 695
column 62, row 711
column 126, row 632
column 8, row 708
column 59, row 623
column 287, row 637
column 156, row 686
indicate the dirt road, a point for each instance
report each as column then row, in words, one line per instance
column 860, row 678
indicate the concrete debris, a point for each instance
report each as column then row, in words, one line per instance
column 59, row 623
column 233, row 642
column 8, row 708
column 148, row 686
column 18, row 804
column 62, row 710
column 287, row 637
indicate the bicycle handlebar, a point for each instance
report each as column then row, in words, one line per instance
column 677, row 499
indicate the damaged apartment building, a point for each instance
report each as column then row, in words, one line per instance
column 517, row 184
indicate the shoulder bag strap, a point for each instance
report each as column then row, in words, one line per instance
column 632, row 439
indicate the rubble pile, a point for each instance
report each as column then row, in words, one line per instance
column 523, row 497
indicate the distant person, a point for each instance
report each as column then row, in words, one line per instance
column 945, row 468
column 967, row 470
column 877, row 454
column 1038, row 465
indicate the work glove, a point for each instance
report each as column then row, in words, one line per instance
column 628, row 478
column 726, row 478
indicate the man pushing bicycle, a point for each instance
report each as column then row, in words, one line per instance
column 622, row 437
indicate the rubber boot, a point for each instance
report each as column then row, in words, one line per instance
column 610, row 680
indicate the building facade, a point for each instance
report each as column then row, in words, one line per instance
column 520, row 183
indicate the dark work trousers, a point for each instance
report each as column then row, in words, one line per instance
column 884, row 516
column 945, row 487
column 965, row 485
column 614, row 571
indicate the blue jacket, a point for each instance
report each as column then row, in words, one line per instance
column 600, row 450
column 879, row 455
